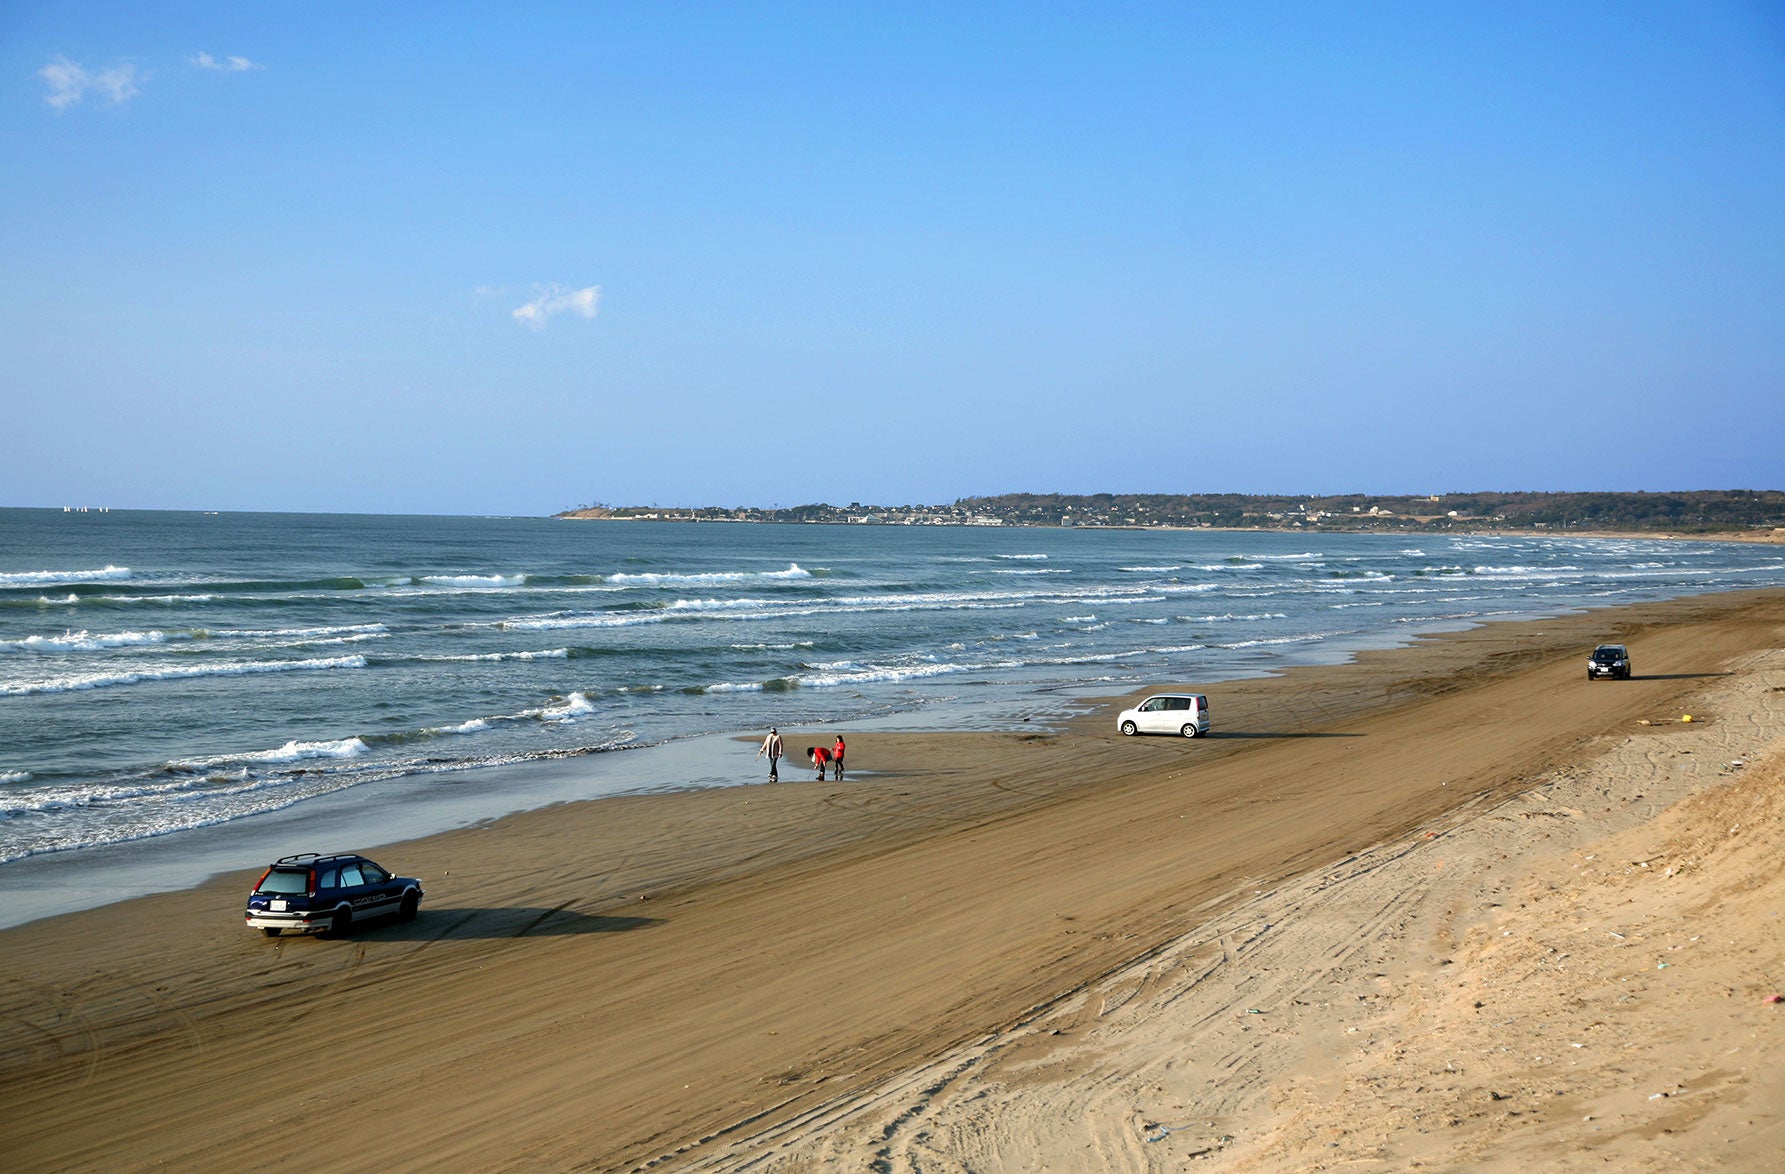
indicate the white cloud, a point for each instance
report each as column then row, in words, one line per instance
column 228, row 65
column 69, row 83
column 554, row 300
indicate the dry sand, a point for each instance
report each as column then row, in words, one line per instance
column 1451, row 905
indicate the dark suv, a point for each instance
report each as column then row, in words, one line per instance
column 1609, row 660
column 308, row 893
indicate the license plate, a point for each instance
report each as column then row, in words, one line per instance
column 276, row 906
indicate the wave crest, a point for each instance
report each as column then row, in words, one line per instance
column 51, row 578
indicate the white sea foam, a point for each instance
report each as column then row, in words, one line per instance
column 87, row 642
column 563, row 623
column 108, row 600
column 59, row 797
column 1520, row 571
column 472, row 580
column 659, row 578
column 86, row 681
column 293, row 751
column 716, row 604
column 1298, row 638
column 880, row 675
column 1020, row 557
column 1175, row 649
column 1161, row 570
column 327, row 642
column 47, row 578
column 297, row 633
column 573, row 706
column 15, row 776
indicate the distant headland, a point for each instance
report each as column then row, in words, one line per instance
column 1755, row 515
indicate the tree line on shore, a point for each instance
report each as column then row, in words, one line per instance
column 1684, row 512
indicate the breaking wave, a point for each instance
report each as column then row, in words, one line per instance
column 54, row 578
column 75, row 684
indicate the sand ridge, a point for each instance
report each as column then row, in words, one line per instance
column 714, row 978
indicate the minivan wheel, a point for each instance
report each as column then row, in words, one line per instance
column 1129, row 730
column 1190, row 731
column 340, row 923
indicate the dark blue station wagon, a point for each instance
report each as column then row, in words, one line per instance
column 308, row 893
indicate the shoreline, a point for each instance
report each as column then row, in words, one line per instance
column 53, row 884
column 716, row 964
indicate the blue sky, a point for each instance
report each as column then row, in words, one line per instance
column 451, row 258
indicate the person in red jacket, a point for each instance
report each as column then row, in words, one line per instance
column 837, row 757
column 819, row 756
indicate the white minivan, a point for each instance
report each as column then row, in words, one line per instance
column 1167, row 713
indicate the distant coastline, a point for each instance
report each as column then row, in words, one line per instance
column 1741, row 515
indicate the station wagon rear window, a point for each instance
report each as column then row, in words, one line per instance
column 285, row 880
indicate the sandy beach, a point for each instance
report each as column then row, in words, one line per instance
column 1449, row 906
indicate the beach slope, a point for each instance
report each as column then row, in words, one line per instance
column 752, row 973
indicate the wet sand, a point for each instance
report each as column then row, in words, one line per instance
column 991, row 951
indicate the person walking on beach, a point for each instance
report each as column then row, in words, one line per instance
column 837, row 759
column 771, row 746
column 819, row 756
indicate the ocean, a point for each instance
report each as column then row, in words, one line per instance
column 163, row 672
